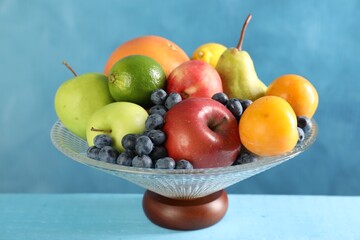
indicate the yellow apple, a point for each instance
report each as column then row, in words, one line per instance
column 116, row 119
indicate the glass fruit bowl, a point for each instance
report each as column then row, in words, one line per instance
column 178, row 184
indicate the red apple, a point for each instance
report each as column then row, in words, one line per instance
column 194, row 78
column 202, row 131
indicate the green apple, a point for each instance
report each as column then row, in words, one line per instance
column 116, row 119
column 78, row 98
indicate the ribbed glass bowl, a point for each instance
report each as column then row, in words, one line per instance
column 177, row 184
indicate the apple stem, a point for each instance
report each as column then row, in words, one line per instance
column 70, row 68
column 100, row 130
column 246, row 23
column 214, row 125
column 184, row 95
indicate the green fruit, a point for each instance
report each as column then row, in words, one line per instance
column 238, row 74
column 78, row 98
column 116, row 119
column 134, row 78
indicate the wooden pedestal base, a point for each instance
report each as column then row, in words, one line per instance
column 185, row 214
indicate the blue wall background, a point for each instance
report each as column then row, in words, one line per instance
column 316, row 39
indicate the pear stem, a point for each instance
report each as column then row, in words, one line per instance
column 246, row 23
column 100, row 130
column 70, row 68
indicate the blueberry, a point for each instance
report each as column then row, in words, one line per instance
column 154, row 121
column 221, row 98
column 245, row 157
column 245, row 103
column 102, row 140
column 158, row 96
column 165, row 163
column 158, row 152
column 108, row 154
column 158, row 109
column 145, row 133
column 172, row 99
column 158, row 137
column 125, row 158
column 301, row 134
column 143, row 145
column 304, row 123
column 235, row 107
column 129, row 141
column 143, row 161
column 184, row 164
column 93, row 152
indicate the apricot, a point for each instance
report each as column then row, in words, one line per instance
column 297, row 91
column 268, row 127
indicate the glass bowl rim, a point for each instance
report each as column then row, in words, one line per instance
column 262, row 161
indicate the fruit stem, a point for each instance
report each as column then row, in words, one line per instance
column 213, row 125
column 246, row 23
column 112, row 78
column 70, row 68
column 100, row 130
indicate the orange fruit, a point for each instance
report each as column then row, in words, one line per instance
column 165, row 52
column 297, row 91
column 268, row 127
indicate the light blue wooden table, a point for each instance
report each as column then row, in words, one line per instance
column 120, row 216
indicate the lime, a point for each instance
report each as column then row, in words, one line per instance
column 209, row 52
column 134, row 78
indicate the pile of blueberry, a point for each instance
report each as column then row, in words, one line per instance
column 144, row 150
column 236, row 106
column 147, row 151
column 102, row 149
